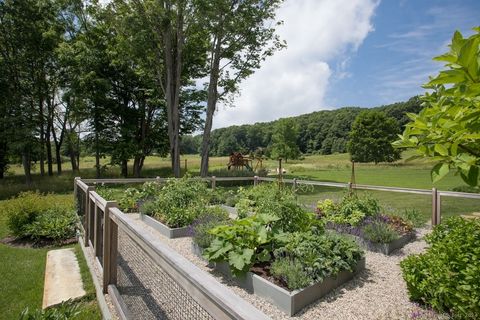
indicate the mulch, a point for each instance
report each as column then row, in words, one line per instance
column 29, row 243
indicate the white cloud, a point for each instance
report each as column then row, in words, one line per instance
column 295, row 80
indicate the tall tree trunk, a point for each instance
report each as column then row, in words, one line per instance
column 58, row 157
column 3, row 159
column 138, row 165
column 27, row 166
column 125, row 168
column 173, row 64
column 97, row 156
column 211, row 104
column 48, row 143
column 42, row 136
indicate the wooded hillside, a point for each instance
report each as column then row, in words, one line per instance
column 321, row 132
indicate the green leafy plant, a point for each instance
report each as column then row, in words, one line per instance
column 53, row 224
column 352, row 209
column 447, row 130
column 213, row 217
column 67, row 310
column 447, row 276
column 380, row 232
column 321, row 255
column 25, row 209
column 269, row 198
column 291, row 273
column 181, row 201
column 242, row 243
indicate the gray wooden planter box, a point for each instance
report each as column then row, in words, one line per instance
column 232, row 211
column 290, row 302
column 198, row 252
column 168, row 232
column 385, row 248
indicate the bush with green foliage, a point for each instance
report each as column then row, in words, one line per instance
column 211, row 218
column 281, row 201
column 290, row 272
column 447, row 276
column 35, row 216
column 132, row 198
column 352, row 209
column 180, row 202
column 321, row 255
column 380, row 232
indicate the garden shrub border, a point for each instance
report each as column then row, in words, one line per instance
column 291, row 302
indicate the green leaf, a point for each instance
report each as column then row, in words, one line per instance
column 472, row 177
column 441, row 149
column 439, row 171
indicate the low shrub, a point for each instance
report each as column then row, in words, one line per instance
column 31, row 214
column 269, row 198
column 53, row 224
column 180, row 202
column 380, row 232
column 321, row 255
column 352, row 209
column 290, row 273
column 132, row 198
column 67, row 310
column 447, row 276
column 213, row 217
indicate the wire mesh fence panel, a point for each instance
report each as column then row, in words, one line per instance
column 99, row 237
column 454, row 206
column 147, row 290
column 81, row 201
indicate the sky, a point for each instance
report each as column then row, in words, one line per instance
column 341, row 53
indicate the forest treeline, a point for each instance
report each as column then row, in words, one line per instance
column 321, row 132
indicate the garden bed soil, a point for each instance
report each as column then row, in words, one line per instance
column 166, row 231
column 28, row 243
column 291, row 302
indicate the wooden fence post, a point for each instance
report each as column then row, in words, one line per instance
column 214, row 182
column 110, row 248
column 88, row 215
column 295, row 183
column 255, row 181
column 435, row 207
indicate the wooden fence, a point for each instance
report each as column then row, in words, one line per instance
column 102, row 222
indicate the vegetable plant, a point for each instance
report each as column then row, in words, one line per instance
column 243, row 243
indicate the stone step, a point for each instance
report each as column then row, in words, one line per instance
column 63, row 280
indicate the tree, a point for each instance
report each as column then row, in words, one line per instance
column 447, row 130
column 240, row 39
column 284, row 140
column 371, row 137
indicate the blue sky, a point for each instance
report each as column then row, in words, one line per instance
column 349, row 53
column 396, row 58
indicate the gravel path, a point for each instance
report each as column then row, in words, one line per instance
column 378, row 292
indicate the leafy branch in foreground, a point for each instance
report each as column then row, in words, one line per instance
column 447, row 130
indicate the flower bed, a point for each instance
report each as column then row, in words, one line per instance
column 360, row 218
column 165, row 230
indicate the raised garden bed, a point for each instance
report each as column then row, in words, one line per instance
column 290, row 302
column 168, row 232
column 385, row 248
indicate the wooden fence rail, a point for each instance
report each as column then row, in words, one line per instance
column 101, row 222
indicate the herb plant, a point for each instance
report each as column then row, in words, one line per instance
column 447, row 276
column 291, row 273
column 380, row 232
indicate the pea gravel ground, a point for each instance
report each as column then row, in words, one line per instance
column 379, row 292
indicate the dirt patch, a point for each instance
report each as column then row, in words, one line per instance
column 29, row 243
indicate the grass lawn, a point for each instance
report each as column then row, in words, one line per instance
column 22, row 278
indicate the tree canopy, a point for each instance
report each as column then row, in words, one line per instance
column 371, row 138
